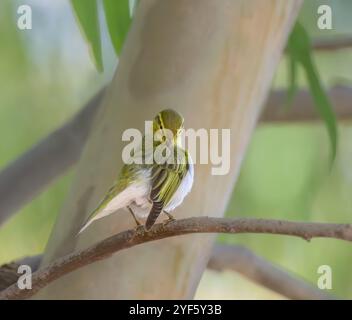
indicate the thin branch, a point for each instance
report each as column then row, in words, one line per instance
column 332, row 44
column 130, row 238
column 303, row 106
column 257, row 269
column 223, row 257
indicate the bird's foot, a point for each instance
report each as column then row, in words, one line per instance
column 170, row 218
column 138, row 224
column 139, row 230
column 139, row 227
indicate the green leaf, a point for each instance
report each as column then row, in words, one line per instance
column 87, row 15
column 299, row 48
column 322, row 102
column 118, row 19
column 298, row 43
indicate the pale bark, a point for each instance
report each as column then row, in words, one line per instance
column 213, row 61
column 344, row 42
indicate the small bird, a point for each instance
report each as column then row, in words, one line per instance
column 149, row 189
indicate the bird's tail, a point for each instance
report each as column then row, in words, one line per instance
column 86, row 225
column 153, row 214
column 92, row 217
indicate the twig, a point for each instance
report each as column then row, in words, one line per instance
column 223, row 257
column 130, row 238
column 335, row 44
column 257, row 269
column 303, row 107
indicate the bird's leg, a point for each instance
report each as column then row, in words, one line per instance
column 170, row 217
column 134, row 217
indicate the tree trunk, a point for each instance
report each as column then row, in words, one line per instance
column 213, row 61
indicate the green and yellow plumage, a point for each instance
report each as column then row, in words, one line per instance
column 152, row 188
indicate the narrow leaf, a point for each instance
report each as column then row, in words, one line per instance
column 86, row 12
column 118, row 19
column 322, row 103
column 299, row 48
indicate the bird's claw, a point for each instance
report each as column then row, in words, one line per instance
column 170, row 219
column 139, row 228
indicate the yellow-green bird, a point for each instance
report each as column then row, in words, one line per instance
column 149, row 189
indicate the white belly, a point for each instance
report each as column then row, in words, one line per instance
column 184, row 188
column 135, row 194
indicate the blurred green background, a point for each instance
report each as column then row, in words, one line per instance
column 46, row 75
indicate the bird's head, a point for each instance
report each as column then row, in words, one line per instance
column 168, row 126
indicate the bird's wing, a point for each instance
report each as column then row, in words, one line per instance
column 128, row 173
column 166, row 179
